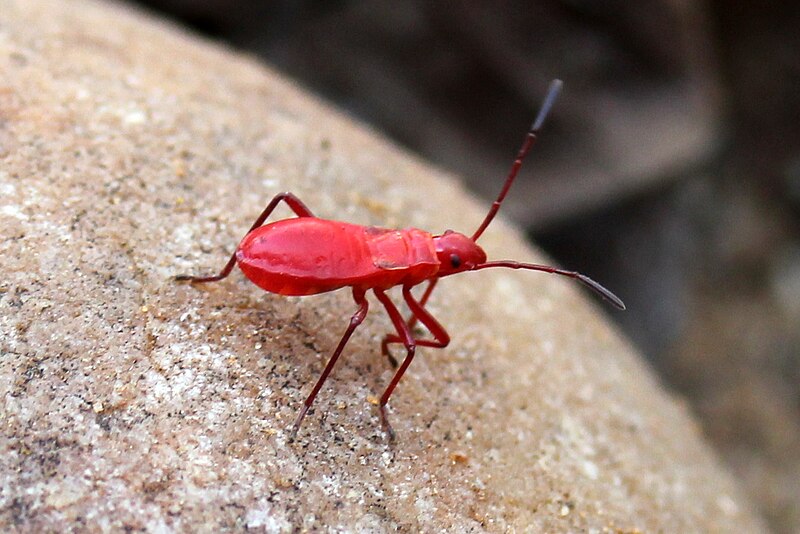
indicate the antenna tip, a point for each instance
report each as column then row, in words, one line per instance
column 549, row 100
column 602, row 291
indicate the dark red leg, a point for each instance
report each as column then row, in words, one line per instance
column 418, row 312
column 412, row 320
column 422, row 302
column 404, row 333
column 294, row 203
column 355, row 320
column 441, row 337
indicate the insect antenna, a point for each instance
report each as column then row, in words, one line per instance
column 582, row 278
column 530, row 139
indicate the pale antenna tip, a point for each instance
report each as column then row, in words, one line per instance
column 549, row 100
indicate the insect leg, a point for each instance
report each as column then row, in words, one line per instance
column 424, row 300
column 440, row 336
column 404, row 333
column 355, row 320
column 294, row 203
column 412, row 320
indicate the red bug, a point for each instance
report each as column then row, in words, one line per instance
column 309, row 255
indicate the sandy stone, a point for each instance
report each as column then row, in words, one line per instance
column 131, row 152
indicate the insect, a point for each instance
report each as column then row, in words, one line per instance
column 308, row 255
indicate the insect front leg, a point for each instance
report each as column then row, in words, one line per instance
column 355, row 320
column 297, row 206
column 440, row 335
column 411, row 321
column 418, row 312
column 440, row 339
column 424, row 300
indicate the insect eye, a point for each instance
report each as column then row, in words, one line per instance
column 455, row 261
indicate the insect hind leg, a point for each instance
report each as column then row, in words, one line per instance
column 296, row 205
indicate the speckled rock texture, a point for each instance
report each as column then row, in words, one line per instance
column 131, row 152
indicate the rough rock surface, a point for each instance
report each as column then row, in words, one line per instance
column 130, row 152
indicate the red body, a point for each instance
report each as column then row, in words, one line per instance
column 308, row 255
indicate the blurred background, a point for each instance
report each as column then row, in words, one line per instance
column 670, row 169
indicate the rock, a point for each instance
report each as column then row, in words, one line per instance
column 132, row 152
